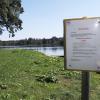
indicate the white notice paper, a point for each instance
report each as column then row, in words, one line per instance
column 83, row 44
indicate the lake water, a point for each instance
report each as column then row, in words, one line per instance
column 50, row 51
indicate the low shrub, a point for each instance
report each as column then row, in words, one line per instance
column 3, row 86
column 72, row 75
column 47, row 78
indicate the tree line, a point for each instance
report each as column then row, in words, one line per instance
column 54, row 41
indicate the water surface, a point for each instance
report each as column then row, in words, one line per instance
column 50, row 51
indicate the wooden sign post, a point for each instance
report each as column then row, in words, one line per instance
column 85, row 86
column 82, row 48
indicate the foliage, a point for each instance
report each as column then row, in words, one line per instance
column 72, row 75
column 18, row 71
column 3, row 86
column 49, row 78
column 33, row 42
column 9, row 15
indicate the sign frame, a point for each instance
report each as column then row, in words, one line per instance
column 65, row 40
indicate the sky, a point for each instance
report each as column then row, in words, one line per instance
column 44, row 18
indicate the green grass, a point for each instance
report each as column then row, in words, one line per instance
column 30, row 75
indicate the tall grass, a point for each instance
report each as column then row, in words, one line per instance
column 30, row 75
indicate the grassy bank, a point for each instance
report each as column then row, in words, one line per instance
column 30, row 75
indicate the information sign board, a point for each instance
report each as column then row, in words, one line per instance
column 82, row 43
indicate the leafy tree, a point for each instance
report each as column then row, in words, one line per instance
column 9, row 16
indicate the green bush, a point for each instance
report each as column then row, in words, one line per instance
column 72, row 75
column 47, row 78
